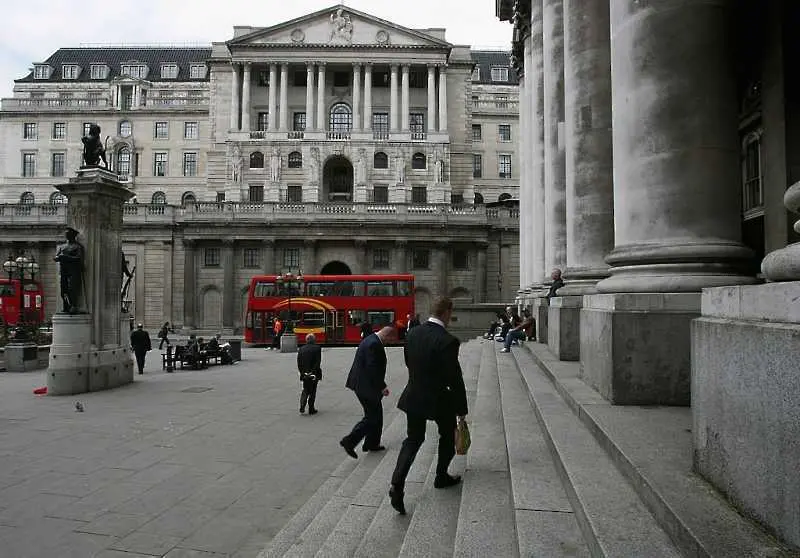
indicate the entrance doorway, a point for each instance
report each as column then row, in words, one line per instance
column 336, row 268
column 337, row 180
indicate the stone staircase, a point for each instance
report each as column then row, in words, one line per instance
column 544, row 477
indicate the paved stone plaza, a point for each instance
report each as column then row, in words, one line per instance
column 202, row 463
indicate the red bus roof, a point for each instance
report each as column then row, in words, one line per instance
column 307, row 278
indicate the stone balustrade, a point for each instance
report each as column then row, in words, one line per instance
column 26, row 105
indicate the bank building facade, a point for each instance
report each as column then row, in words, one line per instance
column 336, row 142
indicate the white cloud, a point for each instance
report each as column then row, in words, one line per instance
column 32, row 30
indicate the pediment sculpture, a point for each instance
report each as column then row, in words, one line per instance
column 341, row 27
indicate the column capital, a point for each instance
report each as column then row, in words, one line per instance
column 228, row 242
column 405, row 68
column 394, row 66
column 357, row 66
column 368, row 65
column 268, row 241
column 310, row 65
column 322, row 64
column 247, row 64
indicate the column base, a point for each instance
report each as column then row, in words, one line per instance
column 541, row 309
column 21, row 357
column 635, row 348
column 563, row 327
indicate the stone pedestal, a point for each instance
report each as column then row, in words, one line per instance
column 563, row 326
column 635, row 348
column 289, row 343
column 21, row 357
column 541, row 310
column 90, row 351
column 746, row 400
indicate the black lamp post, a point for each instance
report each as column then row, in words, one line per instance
column 290, row 281
column 21, row 268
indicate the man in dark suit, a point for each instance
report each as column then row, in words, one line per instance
column 367, row 378
column 435, row 391
column 140, row 343
column 309, row 364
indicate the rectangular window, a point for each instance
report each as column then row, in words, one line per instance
column 477, row 132
column 753, row 196
column 30, row 131
column 211, row 257
column 97, row 71
column 191, row 130
column 416, row 123
column 263, row 78
column 500, row 73
column 460, row 259
column 263, row 121
column 220, row 197
column 456, row 199
column 59, row 130
column 419, row 194
column 504, row 131
column 504, row 164
column 28, row 164
column 86, row 126
column 169, row 71
column 299, row 121
column 160, row 164
column 300, row 78
column 380, row 260
column 161, row 130
column 380, row 122
column 197, row 71
column 134, row 70
column 41, row 72
column 70, row 71
column 57, row 168
column 420, row 258
column 256, row 193
column 251, row 258
column 477, row 166
column 294, row 193
column 380, row 194
column 190, row 164
column 291, row 258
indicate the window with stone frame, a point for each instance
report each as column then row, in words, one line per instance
column 169, row 71
column 161, row 130
column 477, row 166
column 70, row 71
column 460, row 259
column 220, row 197
column 294, row 193
column 211, row 257
column 299, row 122
column 28, row 164
column 295, row 160
column 380, row 258
column 255, row 193
column 30, row 131
column 499, row 73
column 291, row 258
column 160, row 163
column 263, row 78
column 197, row 71
column 476, row 74
column 191, row 130
column 416, row 123
column 419, row 194
column 27, row 198
column 380, row 160
column 188, row 198
column 420, row 258
column 752, row 191
column 504, row 132
column 504, row 165
column 477, row 133
column 456, row 199
column 341, row 118
column 124, row 161
column 57, row 168
column 59, row 130
column 419, row 161
column 263, row 121
column 159, row 198
column 380, row 194
column 251, row 258
column 98, row 71
column 86, row 126
column 380, row 124
column 256, row 160
column 190, row 164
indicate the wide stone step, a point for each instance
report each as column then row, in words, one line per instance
column 545, row 522
column 613, row 519
column 652, row 447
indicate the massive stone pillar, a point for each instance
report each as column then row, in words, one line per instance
column 167, row 311
column 272, row 101
column 321, row 107
column 480, row 273
column 309, row 257
column 246, row 98
column 228, row 283
column 393, row 99
column 189, row 286
column 401, row 256
column 368, row 96
column 555, row 210
column 357, row 97
column 404, row 100
column 284, row 110
column 268, row 259
column 443, row 250
column 442, row 98
column 310, row 96
column 535, row 83
column 235, row 108
column 431, row 98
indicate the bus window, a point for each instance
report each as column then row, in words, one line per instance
column 403, row 288
column 358, row 288
column 320, row 289
column 357, row 316
column 381, row 318
column 313, row 319
column 254, row 320
column 290, row 289
column 264, row 289
column 7, row 290
column 379, row 288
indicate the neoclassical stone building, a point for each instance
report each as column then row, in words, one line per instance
column 658, row 142
column 335, row 142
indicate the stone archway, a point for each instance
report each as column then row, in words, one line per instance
column 337, row 180
column 335, row 268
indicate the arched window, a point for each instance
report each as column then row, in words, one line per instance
column 295, row 160
column 159, row 198
column 256, row 160
column 57, row 198
column 503, row 197
column 418, row 161
column 341, row 118
column 124, row 161
column 478, row 198
column 381, row 160
column 27, row 198
column 188, row 197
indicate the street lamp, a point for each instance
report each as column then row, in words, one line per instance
column 290, row 282
column 21, row 268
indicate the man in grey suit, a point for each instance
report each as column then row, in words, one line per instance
column 435, row 391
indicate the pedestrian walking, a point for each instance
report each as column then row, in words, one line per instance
column 140, row 344
column 162, row 334
column 277, row 331
column 435, row 391
column 367, row 378
column 309, row 364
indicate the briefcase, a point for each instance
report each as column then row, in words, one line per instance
column 463, row 439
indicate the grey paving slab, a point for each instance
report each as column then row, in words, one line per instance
column 147, row 543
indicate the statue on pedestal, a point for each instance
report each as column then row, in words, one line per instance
column 438, row 167
column 361, row 169
column 93, row 149
column 70, row 257
column 313, row 165
column 236, row 165
column 400, row 169
column 127, row 277
column 342, row 27
column 275, row 165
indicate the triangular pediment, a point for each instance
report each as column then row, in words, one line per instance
column 338, row 26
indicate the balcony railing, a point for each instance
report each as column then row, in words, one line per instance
column 162, row 102
column 337, row 136
column 495, row 106
column 295, row 134
column 380, row 136
column 418, row 136
column 12, row 104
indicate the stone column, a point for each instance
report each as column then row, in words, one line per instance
column 284, row 109
column 268, row 258
column 401, row 256
column 442, row 99
column 309, row 96
column 167, row 312
column 393, row 99
column 321, row 107
column 555, row 211
column 535, row 82
column 235, row 108
column 525, row 214
column 480, row 273
column 228, row 282
column 356, row 97
column 404, row 105
column 431, row 98
column 246, row 98
column 309, row 257
column 189, row 285
column 368, row 97
column 272, row 107
column 362, row 253
column 442, row 279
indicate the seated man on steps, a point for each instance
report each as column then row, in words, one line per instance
column 519, row 332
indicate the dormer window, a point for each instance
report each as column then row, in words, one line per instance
column 138, row 71
column 70, row 71
column 42, row 71
column 197, row 71
column 169, row 71
column 98, row 71
column 500, row 73
column 476, row 73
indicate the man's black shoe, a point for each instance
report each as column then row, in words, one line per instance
column 348, row 448
column 445, row 481
column 396, row 499
column 302, row 410
column 373, row 448
column 312, row 411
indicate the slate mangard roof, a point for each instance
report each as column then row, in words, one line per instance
column 485, row 59
column 115, row 57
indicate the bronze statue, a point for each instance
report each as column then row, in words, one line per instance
column 70, row 257
column 127, row 277
column 93, row 149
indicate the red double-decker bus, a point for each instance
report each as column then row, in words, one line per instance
column 32, row 301
column 332, row 307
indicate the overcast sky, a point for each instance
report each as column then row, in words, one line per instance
column 31, row 30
